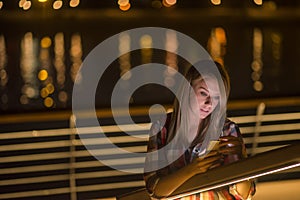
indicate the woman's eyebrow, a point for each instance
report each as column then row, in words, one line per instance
column 204, row 88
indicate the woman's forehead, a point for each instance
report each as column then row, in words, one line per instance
column 208, row 83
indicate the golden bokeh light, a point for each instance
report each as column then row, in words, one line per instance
column 258, row 2
column 57, row 4
column 258, row 86
column 74, row 3
column 125, row 8
column 26, row 5
column 50, row 88
column 46, row 42
column 170, row 2
column 43, row 75
column 44, row 92
column 164, row 2
column 123, row 2
column 216, row 2
column 48, row 102
column 21, row 3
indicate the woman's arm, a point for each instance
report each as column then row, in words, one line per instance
column 169, row 183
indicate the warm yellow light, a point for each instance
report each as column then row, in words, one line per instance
column 44, row 92
column 171, row 2
column 21, row 3
column 164, row 2
column 26, row 5
column 48, row 102
column 123, row 2
column 256, row 66
column 42, row 1
column 46, row 42
column 220, row 35
column 57, row 5
column 50, row 88
column 1, row 4
column 74, row 3
column 125, row 8
column 258, row 2
column 258, row 86
column 216, row 2
column 43, row 75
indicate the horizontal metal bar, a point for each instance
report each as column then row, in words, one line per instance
column 61, row 155
column 96, row 187
column 35, row 145
column 30, row 180
column 108, row 186
column 68, row 131
column 271, row 128
column 67, row 143
column 266, row 118
column 84, row 175
column 53, row 167
column 35, row 133
column 34, row 157
column 39, row 168
column 138, row 127
column 255, row 166
column 125, row 139
column 35, row 193
column 273, row 138
column 259, row 150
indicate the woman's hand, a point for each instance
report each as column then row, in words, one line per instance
column 202, row 164
column 230, row 145
column 169, row 183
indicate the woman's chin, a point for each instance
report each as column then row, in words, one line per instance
column 203, row 115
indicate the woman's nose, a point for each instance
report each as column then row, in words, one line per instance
column 207, row 101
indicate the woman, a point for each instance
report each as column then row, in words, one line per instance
column 183, row 138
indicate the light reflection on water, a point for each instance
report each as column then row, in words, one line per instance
column 49, row 64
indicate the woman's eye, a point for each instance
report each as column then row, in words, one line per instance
column 204, row 94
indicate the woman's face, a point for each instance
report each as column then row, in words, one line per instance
column 207, row 95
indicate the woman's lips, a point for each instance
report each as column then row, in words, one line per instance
column 205, row 111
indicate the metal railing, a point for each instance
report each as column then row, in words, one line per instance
column 46, row 163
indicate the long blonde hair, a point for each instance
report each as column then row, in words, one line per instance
column 199, row 70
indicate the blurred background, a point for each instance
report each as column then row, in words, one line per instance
column 44, row 42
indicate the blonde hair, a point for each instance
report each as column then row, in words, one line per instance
column 193, row 73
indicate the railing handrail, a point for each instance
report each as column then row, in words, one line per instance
column 140, row 110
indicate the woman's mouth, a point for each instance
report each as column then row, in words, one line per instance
column 203, row 110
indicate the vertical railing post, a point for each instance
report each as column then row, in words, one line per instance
column 72, row 173
column 259, row 112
